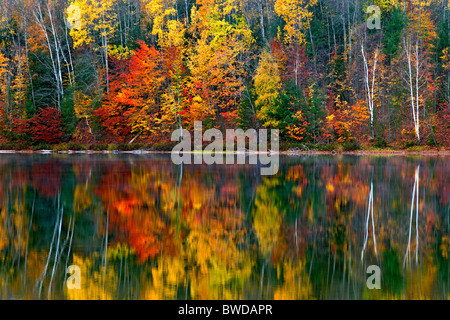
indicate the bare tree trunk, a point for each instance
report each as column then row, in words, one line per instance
column 261, row 19
column 413, row 85
column 370, row 86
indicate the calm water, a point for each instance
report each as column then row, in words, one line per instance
column 140, row 227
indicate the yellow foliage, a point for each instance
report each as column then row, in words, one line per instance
column 97, row 19
column 166, row 277
column 296, row 15
column 82, row 198
column 267, row 87
column 266, row 218
column 159, row 10
column 296, row 284
column 95, row 284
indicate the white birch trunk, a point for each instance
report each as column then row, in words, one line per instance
column 370, row 85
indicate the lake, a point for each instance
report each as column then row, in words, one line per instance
column 127, row 226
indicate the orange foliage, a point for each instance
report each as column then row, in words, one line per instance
column 132, row 103
column 347, row 121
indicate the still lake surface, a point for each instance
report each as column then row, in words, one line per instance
column 140, row 227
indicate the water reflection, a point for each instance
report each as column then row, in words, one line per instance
column 140, row 227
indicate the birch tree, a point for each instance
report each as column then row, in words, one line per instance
column 98, row 25
column 57, row 45
column 369, row 84
column 414, row 76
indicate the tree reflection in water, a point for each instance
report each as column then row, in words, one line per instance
column 140, row 227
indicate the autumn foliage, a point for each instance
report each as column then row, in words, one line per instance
column 43, row 127
column 135, row 71
column 132, row 106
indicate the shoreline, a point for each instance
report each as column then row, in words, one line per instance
column 138, row 151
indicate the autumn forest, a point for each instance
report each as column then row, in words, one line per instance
column 358, row 90
column 323, row 72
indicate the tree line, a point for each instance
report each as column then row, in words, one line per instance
column 135, row 70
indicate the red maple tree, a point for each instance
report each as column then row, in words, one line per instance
column 45, row 126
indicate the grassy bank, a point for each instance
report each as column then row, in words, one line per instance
column 88, row 147
column 289, row 147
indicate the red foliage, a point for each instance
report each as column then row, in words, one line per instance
column 296, row 67
column 134, row 85
column 446, row 109
column 22, row 127
column 43, row 127
column 46, row 177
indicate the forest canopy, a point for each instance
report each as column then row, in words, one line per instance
column 122, row 71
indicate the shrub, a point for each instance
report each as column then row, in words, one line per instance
column 416, row 148
column 112, row 147
column 431, row 142
column 351, row 145
column 163, row 146
column 42, row 146
column 69, row 146
column 410, row 144
column 76, row 146
column 14, row 146
column 125, row 147
column 98, row 147
column 327, row 147
column 380, row 143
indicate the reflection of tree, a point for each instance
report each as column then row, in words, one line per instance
column 296, row 284
column 369, row 214
column 144, row 229
column 96, row 283
column 267, row 217
column 415, row 196
column 167, row 277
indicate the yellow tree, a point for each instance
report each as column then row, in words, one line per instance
column 217, row 56
column 296, row 15
column 19, row 84
column 420, row 35
column 3, row 81
column 170, row 32
column 97, row 24
column 267, row 84
column 160, row 11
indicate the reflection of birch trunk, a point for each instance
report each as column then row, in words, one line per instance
column 369, row 215
column 55, row 262
column 44, row 273
column 106, row 248
column 176, row 197
column 71, row 230
column 415, row 196
column 30, row 224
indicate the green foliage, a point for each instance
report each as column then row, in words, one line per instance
column 98, row 147
column 410, row 144
column 43, row 86
column 392, row 278
column 352, row 145
column 380, row 142
column 71, row 146
column 394, row 23
column 327, row 147
column 68, row 117
column 246, row 115
column 15, row 146
column 162, row 146
column 42, row 146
